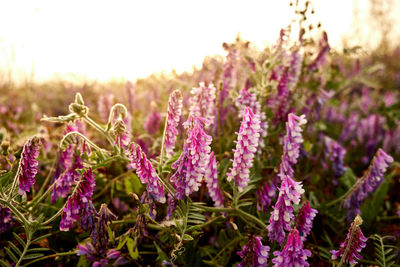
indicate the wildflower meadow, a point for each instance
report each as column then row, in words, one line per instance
column 281, row 156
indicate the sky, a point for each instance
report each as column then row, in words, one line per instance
column 105, row 40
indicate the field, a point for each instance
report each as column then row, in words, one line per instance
column 286, row 156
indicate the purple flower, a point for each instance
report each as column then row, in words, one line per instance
column 192, row 163
column 77, row 202
column 104, row 105
column 368, row 183
column 146, row 173
column 113, row 253
column 99, row 233
column 291, row 143
column 282, row 213
column 353, row 244
column 28, row 166
column 5, row 218
column 247, row 99
column 122, row 136
column 293, row 254
column 211, row 177
column 335, row 153
column 287, row 82
column 289, row 191
column 304, row 220
column 254, row 253
column 173, row 118
column 265, row 194
column 320, row 59
column 246, row 147
column 152, row 123
column 202, row 102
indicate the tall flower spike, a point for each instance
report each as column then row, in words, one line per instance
column 368, row 183
column 173, row 117
column 265, row 194
column 293, row 254
column 153, row 120
column 191, row 165
column 254, row 253
column 289, row 191
column 353, row 244
column 246, row 147
column 99, row 234
column 335, row 153
column 304, row 220
column 247, row 99
column 211, row 177
column 202, row 102
column 28, row 165
column 146, row 173
column 77, row 202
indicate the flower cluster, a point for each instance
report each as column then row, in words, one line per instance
column 265, row 194
column 304, row 219
column 282, row 213
column 246, row 147
column 78, row 201
column 69, row 162
column 293, row 254
column 211, row 177
column 152, row 123
column 191, row 165
column 254, row 253
column 28, row 166
column 146, row 173
column 353, row 244
column 335, row 153
column 248, row 99
column 202, row 102
column 289, row 191
column 173, row 117
column 368, row 183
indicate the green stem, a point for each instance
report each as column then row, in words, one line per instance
column 15, row 211
column 99, row 128
column 28, row 242
column 163, row 141
column 83, row 137
column 204, row 224
column 52, row 256
column 105, row 162
column 65, row 204
column 247, row 216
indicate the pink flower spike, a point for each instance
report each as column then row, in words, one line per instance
column 246, row 147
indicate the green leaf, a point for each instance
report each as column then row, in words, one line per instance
column 130, row 244
column 82, row 262
column 41, row 237
column 14, row 247
column 161, row 254
column 4, row 264
column 122, row 243
column 187, row 237
column 33, row 256
column 11, row 254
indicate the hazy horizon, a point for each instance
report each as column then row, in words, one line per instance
column 94, row 40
